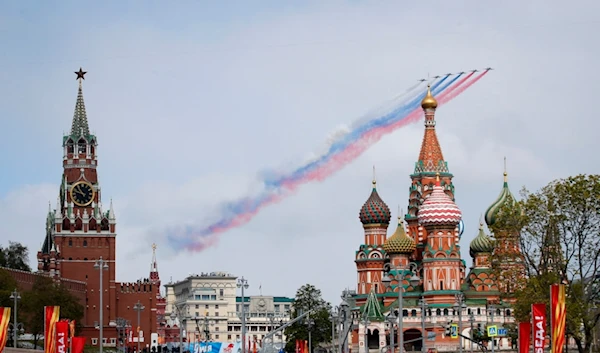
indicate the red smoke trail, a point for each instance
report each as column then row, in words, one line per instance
column 337, row 162
column 357, row 148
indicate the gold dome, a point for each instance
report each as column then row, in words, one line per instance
column 399, row 242
column 429, row 102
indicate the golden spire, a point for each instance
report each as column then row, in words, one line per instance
column 429, row 102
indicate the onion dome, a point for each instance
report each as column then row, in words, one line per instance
column 375, row 211
column 399, row 242
column 438, row 208
column 505, row 196
column 482, row 243
column 429, row 102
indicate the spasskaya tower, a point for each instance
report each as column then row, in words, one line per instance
column 79, row 231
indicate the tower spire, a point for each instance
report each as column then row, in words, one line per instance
column 505, row 173
column 374, row 178
column 154, row 265
column 80, row 126
column 431, row 159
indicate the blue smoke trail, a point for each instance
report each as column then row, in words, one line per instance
column 355, row 135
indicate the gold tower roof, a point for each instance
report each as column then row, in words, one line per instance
column 429, row 102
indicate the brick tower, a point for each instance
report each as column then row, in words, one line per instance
column 82, row 231
column 375, row 217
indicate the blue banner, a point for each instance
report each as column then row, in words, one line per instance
column 214, row 347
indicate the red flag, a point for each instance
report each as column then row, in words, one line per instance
column 4, row 320
column 51, row 313
column 558, row 317
column 524, row 336
column 538, row 312
column 62, row 336
column 77, row 344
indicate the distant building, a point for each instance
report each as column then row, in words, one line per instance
column 212, row 310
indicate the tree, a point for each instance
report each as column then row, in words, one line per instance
column 47, row 292
column 7, row 285
column 309, row 298
column 559, row 234
column 15, row 256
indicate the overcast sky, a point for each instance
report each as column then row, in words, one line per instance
column 190, row 102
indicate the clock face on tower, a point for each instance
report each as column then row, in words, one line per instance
column 82, row 193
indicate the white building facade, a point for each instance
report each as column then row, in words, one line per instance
column 209, row 305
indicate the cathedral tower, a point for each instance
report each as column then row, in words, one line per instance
column 370, row 258
column 507, row 258
column 399, row 248
column 431, row 163
column 443, row 268
column 79, row 230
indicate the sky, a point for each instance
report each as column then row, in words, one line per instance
column 191, row 101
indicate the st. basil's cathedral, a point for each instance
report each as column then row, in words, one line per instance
column 423, row 258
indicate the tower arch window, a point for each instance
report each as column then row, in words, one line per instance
column 85, row 243
column 70, row 146
column 81, row 146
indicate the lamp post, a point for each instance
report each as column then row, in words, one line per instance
column 366, row 323
column 121, row 324
column 459, row 305
column 309, row 324
column 139, row 308
column 15, row 297
column 179, row 313
column 346, row 319
column 491, row 309
column 424, row 305
column 101, row 265
column 414, row 281
column 207, row 324
column 243, row 284
column 391, row 318
column 333, row 315
column 472, row 321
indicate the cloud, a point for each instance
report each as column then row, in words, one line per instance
column 189, row 113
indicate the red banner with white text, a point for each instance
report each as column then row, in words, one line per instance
column 524, row 336
column 558, row 318
column 51, row 315
column 62, row 336
column 538, row 312
column 4, row 320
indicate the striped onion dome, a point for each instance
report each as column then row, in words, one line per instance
column 399, row 242
column 439, row 209
column 482, row 243
column 492, row 211
column 375, row 211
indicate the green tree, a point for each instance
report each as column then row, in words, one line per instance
column 308, row 298
column 47, row 292
column 559, row 233
column 15, row 256
column 7, row 285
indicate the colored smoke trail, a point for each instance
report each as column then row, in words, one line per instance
column 341, row 152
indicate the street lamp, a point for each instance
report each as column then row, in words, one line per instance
column 16, row 326
column 179, row 313
column 101, row 265
column 243, row 284
column 472, row 321
column 459, row 305
column 391, row 318
column 414, row 281
column 206, row 330
column 139, row 308
column 346, row 319
column 309, row 324
column 333, row 315
column 424, row 306
column 121, row 324
column 491, row 309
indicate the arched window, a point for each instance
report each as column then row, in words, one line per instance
column 70, row 242
column 507, row 312
column 404, row 313
column 81, row 144
column 413, row 313
column 85, row 243
column 69, row 146
column 445, row 312
column 438, row 312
